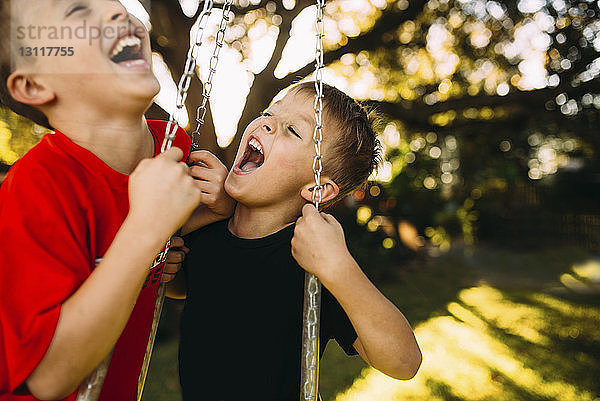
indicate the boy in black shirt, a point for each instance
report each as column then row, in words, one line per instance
column 242, row 320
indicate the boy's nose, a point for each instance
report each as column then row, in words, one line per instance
column 267, row 127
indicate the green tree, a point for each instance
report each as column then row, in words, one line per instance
column 484, row 101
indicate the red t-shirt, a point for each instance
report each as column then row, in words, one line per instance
column 60, row 209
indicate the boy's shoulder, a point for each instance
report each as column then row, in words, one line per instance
column 159, row 128
column 57, row 159
column 45, row 162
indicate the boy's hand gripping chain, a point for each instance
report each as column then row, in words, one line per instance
column 91, row 387
column 309, row 390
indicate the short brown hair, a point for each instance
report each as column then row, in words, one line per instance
column 357, row 152
column 6, row 69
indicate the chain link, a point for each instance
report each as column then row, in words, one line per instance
column 312, row 291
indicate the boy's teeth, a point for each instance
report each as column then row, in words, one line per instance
column 128, row 41
column 256, row 145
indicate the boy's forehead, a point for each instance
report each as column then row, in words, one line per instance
column 30, row 6
column 301, row 104
column 297, row 106
column 36, row 11
column 28, row 11
column 295, row 101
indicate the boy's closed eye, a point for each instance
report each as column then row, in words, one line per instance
column 293, row 131
column 290, row 128
column 78, row 7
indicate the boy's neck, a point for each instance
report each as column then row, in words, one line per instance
column 121, row 143
column 250, row 223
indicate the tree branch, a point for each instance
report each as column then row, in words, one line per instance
column 418, row 113
column 368, row 40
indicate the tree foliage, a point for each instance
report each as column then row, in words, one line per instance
column 490, row 107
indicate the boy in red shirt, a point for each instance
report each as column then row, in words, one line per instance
column 85, row 213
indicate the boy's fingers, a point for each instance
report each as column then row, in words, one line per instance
column 206, row 187
column 309, row 210
column 177, row 242
column 174, row 154
column 329, row 218
column 204, row 156
column 172, row 268
column 175, row 256
column 169, row 273
column 203, row 173
column 207, row 198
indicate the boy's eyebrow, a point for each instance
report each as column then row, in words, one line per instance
column 307, row 120
column 303, row 116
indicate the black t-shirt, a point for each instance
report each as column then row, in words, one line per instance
column 242, row 322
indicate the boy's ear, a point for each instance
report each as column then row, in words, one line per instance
column 330, row 190
column 27, row 90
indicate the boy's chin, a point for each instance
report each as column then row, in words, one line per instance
column 144, row 94
column 232, row 190
column 147, row 87
column 246, row 196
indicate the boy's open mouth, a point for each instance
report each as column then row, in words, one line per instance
column 253, row 157
column 128, row 48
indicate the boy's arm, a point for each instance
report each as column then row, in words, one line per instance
column 385, row 338
column 210, row 175
column 92, row 319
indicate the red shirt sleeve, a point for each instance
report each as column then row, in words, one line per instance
column 182, row 139
column 43, row 260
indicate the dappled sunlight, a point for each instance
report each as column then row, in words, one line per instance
column 576, row 285
column 516, row 318
column 582, row 314
column 471, row 355
column 17, row 136
column 7, row 155
column 584, row 278
column 589, row 270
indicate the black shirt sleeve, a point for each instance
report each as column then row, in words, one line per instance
column 335, row 324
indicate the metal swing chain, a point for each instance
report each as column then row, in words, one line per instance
column 171, row 131
column 208, row 85
column 312, row 288
column 190, row 71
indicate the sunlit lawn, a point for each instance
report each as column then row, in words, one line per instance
column 496, row 325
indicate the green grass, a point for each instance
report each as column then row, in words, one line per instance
column 494, row 325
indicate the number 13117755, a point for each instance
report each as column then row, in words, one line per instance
column 47, row 51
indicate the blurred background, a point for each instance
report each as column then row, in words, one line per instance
column 482, row 224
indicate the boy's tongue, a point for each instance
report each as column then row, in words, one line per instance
column 249, row 166
column 252, row 161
